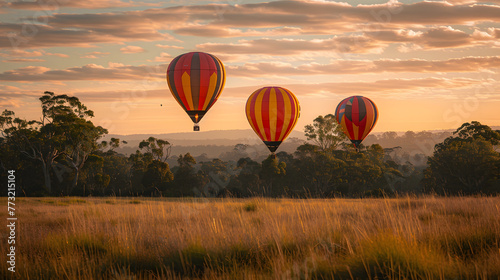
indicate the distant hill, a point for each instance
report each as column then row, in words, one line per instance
column 202, row 138
column 220, row 143
column 212, row 143
column 216, row 137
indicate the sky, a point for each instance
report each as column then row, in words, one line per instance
column 427, row 65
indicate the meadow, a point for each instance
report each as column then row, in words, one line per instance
column 146, row 238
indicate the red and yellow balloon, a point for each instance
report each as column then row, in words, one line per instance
column 357, row 115
column 272, row 112
column 196, row 80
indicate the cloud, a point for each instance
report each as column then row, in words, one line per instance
column 24, row 60
column 132, row 49
column 119, row 71
column 89, row 72
column 44, row 36
column 23, row 53
column 164, row 57
column 388, row 87
column 88, row 4
column 399, row 88
column 56, row 54
column 169, row 47
column 340, row 67
column 95, row 54
column 322, row 17
column 370, row 42
column 268, row 46
column 276, row 18
column 439, row 37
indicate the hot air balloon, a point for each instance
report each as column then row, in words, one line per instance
column 357, row 115
column 196, row 80
column 272, row 112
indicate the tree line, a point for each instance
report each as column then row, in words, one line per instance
column 63, row 154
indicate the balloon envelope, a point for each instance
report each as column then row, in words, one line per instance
column 196, row 80
column 272, row 112
column 357, row 115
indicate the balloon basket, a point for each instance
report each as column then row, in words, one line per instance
column 196, row 127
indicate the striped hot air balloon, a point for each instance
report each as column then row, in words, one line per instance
column 357, row 115
column 272, row 112
column 196, row 80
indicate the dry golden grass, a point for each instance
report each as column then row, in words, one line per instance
column 129, row 238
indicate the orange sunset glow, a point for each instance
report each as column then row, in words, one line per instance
column 427, row 65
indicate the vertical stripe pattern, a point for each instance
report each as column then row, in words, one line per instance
column 272, row 113
column 357, row 115
column 196, row 80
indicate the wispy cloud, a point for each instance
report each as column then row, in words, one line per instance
column 25, row 53
column 269, row 46
column 341, row 67
column 23, row 60
column 385, row 87
column 277, row 18
column 164, row 57
column 371, row 42
column 88, row 4
column 132, row 49
column 118, row 71
column 95, row 54
column 425, row 87
column 85, row 73
column 169, row 47
column 44, row 36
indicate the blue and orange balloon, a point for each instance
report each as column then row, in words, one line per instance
column 272, row 113
column 196, row 80
column 357, row 115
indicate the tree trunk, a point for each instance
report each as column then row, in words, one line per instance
column 46, row 175
column 75, row 181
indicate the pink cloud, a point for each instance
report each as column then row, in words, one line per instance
column 340, row 67
column 89, row 72
column 95, row 54
column 24, row 60
column 88, row 4
column 277, row 18
column 164, row 57
column 169, row 47
column 386, row 87
column 132, row 49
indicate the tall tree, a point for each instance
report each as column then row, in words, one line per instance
column 470, row 132
column 186, row 178
column 63, row 133
column 80, row 142
column 466, row 167
column 325, row 132
column 158, row 148
column 465, row 162
column 272, row 171
column 34, row 140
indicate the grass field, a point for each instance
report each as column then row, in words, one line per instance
column 129, row 238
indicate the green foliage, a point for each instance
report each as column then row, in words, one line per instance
column 271, row 176
column 325, row 132
column 465, row 164
column 63, row 149
column 64, row 135
column 158, row 148
column 186, row 178
column 157, row 175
